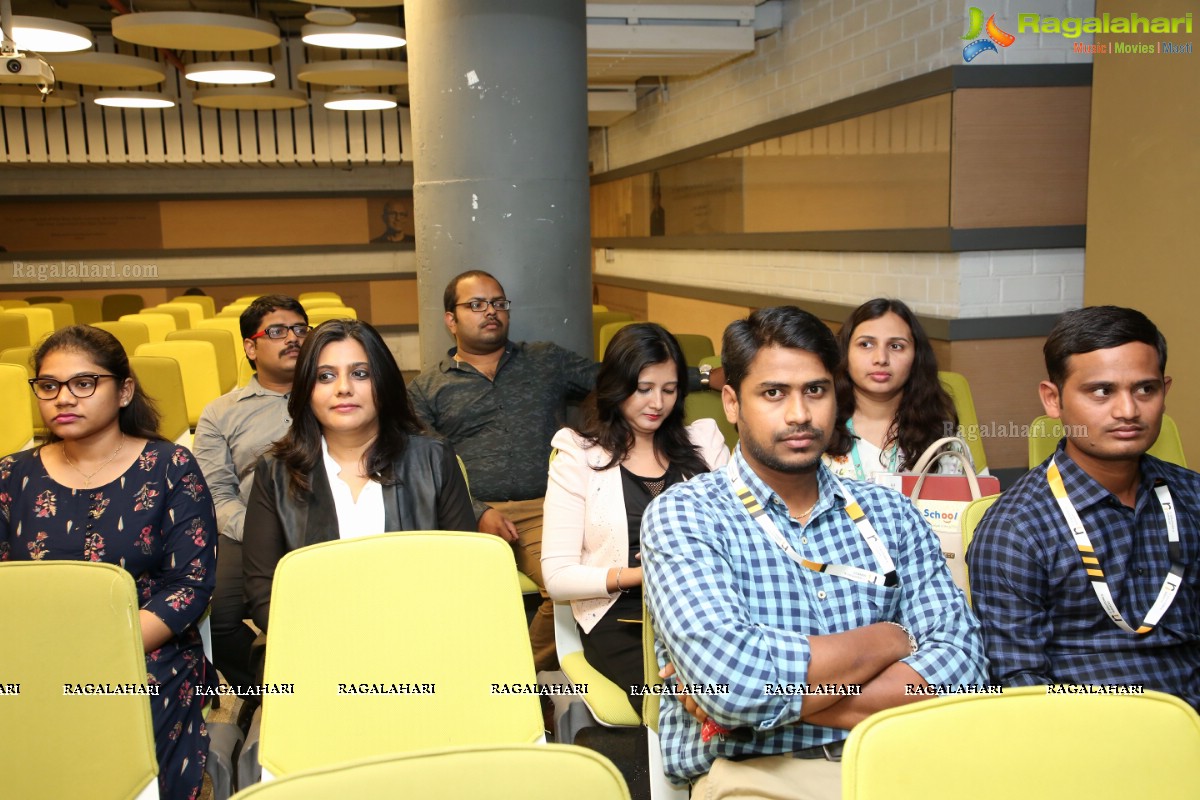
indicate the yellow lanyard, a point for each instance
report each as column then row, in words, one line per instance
column 1091, row 564
column 886, row 576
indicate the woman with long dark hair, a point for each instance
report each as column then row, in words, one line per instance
column 888, row 393
column 353, row 463
column 107, row 488
column 632, row 447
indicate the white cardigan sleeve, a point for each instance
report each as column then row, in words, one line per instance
column 705, row 434
column 564, row 517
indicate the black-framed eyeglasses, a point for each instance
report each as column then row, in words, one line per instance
column 81, row 386
column 478, row 305
column 281, row 331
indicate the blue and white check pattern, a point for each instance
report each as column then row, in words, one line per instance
column 730, row 607
column 1042, row 622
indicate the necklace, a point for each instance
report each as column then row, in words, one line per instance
column 804, row 515
column 87, row 479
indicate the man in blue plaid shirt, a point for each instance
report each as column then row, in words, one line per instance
column 1075, row 572
column 790, row 603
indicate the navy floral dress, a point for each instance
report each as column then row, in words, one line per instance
column 157, row 522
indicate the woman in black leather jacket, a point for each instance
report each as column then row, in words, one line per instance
column 353, row 463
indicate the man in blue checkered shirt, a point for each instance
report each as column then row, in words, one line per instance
column 790, row 603
column 1119, row 606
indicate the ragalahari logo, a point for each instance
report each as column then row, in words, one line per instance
column 995, row 36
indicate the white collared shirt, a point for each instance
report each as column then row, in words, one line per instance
column 363, row 518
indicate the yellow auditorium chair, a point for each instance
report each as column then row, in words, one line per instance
column 40, row 322
column 319, row 315
column 955, row 384
column 198, row 363
column 442, row 659
column 78, row 746
column 191, row 313
column 224, row 349
column 23, row 357
column 606, row 335
column 88, row 310
column 13, row 302
column 208, row 306
column 233, row 310
column 247, row 299
column 607, row 702
column 305, row 297
column 969, row 521
column 180, row 314
column 597, row 307
column 115, row 306
column 132, row 332
column 322, row 302
column 696, row 347
column 497, row 772
column 1045, row 433
column 660, row 787
column 707, row 404
column 159, row 325
column 14, row 331
column 62, row 313
column 1029, row 743
column 16, row 429
column 162, row 381
column 602, row 318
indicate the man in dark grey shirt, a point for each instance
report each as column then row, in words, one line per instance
column 233, row 431
column 499, row 403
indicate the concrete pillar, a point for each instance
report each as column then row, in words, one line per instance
column 498, row 90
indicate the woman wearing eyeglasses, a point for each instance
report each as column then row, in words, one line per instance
column 353, row 463
column 108, row 488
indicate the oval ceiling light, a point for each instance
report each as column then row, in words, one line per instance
column 229, row 72
column 250, row 98
column 359, row 36
column 30, row 97
column 117, row 99
column 107, row 69
column 195, row 30
column 354, row 72
column 360, row 101
column 335, row 17
column 43, row 35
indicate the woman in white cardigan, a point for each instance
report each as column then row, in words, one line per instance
column 632, row 447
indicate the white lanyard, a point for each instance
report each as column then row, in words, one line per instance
column 887, row 569
column 1091, row 564
column 858, row 466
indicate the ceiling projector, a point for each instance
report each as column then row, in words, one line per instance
column 25, row 69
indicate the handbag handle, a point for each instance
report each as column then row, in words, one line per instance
column 936, row 449
column 967, row 470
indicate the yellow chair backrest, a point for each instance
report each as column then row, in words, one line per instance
column 319, row 315
column 322, row 302
column 132, row 333
column 13, row 302
column 596, row 307
column 88, row 310
column 602, row 318
column 14, row 330
column 158, row 325
column 969, row 520
column 180, row 314
column 62, row 313
column 92, row 609
column 955, row 384
column 162, row 381
column 245, row 300
column 305, row 297
column 224, row 348
column 530, row 772
column 463, row 644
column 1024, row 743
column 208, row 306
column 16, row 426
column 192, row 313
column 40, row 322
column 233, row 310
column 606, row 335
column 696, row 347
column 23, row 358
column 705, row 403
column 116, row 306
column 198, row 363
column 1045, row 433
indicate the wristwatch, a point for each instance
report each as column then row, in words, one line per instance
column 705, row 369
